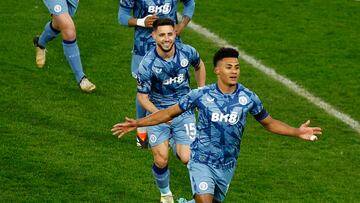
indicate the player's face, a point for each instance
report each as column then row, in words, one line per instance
column 164, row 37
column 228, row 71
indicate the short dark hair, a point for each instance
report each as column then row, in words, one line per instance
column 163, row 21
column 225, row 52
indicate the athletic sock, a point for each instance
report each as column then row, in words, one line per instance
column 48, row 34
column 162, row 178
column 141, row 133
column 72, row 53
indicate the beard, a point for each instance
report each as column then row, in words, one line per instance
column 166, row 50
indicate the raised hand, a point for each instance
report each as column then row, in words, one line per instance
column 149, row 20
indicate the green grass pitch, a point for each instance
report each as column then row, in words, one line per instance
column 56, row 144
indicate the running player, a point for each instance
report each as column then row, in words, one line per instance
column 145, row 12
column 223, row 108
column 62, row 12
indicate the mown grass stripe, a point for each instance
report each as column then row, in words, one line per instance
column 282, row 79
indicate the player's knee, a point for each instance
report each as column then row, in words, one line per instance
column 183, row 154
column 161, row 162
column 69, row 34
column 184, row 158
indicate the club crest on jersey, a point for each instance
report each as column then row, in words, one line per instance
column 231, row 118
column 164, row 9
column 57, row 8
column 179, row 79
column 243, row 100
column 203, row 186
column 184, row 62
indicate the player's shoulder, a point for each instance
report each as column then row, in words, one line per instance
column 244, row 90
column 149, row 56
column 205, row 89
column 127, row 3
column 184, row 47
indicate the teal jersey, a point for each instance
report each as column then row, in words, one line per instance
column 143, row 40
column 222, row 120
column 167, row 81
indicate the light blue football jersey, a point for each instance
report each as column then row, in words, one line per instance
column 143, row 40
column 167, row 81
column 222, row 119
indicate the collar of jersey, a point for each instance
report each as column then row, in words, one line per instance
column 218, row 89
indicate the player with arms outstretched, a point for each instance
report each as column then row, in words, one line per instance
column 223, row 108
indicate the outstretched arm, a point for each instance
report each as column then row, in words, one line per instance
column 158, row 117
column 278, row 127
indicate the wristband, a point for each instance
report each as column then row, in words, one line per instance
column 141, row 21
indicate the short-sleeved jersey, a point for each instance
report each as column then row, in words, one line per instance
column 143, row 41
column 166, row 81
column 222, row 119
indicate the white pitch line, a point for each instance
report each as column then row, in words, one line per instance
column 282, row 79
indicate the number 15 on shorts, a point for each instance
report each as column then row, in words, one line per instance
column 190, row 130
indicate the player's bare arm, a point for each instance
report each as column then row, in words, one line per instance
column 180, row 27
column 161, row 116
column 147, row 21
column 146, row 103
column 304, row 131
column 200, row 74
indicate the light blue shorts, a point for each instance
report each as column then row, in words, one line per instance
column 181, row 130
column 58, row 7
column 206, row 179
column 135, row 62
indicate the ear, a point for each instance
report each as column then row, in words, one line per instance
column 216, row 70
column 153, row 34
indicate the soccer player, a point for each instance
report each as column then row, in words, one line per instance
column 145, row 12
column 163, row 78
column 223, row 108
column 61, row 12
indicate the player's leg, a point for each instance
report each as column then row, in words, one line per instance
column 205, row 198
column 49, row 32
column 159, row 143
column 184, row 133
column 141, row 138
column 183, row 152
column 202, row 182
column 223, row 177
column 63, row 21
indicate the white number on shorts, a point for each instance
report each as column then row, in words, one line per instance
column 190, row 130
